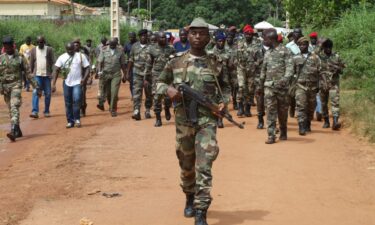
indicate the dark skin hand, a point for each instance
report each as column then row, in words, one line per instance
column 220, row 44
column 198, row 38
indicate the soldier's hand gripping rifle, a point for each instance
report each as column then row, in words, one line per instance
column 202, row 100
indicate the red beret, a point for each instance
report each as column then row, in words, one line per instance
column 248, row 29
column 280, row 38
column 314, row 35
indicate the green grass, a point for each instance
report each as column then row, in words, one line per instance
column 353, row 37
column 58, row 33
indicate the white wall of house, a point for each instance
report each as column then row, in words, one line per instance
column 31, row 9
column 55, row 10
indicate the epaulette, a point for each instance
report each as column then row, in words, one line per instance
column 178, row 54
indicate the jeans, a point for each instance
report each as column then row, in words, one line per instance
column 73, row 98
column 45, row 85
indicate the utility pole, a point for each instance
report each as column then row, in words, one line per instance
column 115, row 19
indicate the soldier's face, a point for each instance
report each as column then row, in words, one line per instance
column 267, row 41
column 327, row 51
column 313, row 41
column 9, row 49
column 304, row 47
column 143, row 39
column 199, row 37
column 162, row 40
column 248, row 37
column 230, row 40
column 220, row 44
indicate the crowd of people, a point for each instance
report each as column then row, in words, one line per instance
column 296, row 75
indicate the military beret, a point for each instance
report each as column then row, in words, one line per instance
column 248, row 29
column 199, row 23
column 314, row 35
column 297, row 30
column 8, row 40
column 302, row 40
column 220, row 36
column 142, row 32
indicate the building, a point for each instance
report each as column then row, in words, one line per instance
column 47, row 8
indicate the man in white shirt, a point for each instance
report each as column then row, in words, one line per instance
column 70, row 65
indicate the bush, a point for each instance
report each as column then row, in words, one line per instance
column 58, row 33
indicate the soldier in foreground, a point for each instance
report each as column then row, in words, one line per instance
column 158, row 55
column 11, row 67
column 196, row 143
column 277, row 70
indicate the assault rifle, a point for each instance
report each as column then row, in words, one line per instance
column 202, row 100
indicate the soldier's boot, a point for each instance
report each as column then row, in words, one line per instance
column 292, row 112
column 148, row 114
column 326, row 122
column 283, row 134
column 270, row 140
column 336, row 124
column 235, row 105
column 201, row 217
column 189, row 211
column 12, row 134
column 100, row 106
column 308, row 126
column 158, row 122
column 318, row 116
column 167, row 113
column 260, row 122
column 136, row 114
column 240, row 111
column 18, row 131
column 248, row 110
column 301, row 129
column 220, row 123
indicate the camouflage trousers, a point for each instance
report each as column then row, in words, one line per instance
column 101, row 91
column 306, row 103
column 233, row 84
column 197, row 149
column 138, row 86
column 158, row 98
column 110, row 89
column 246, row 81
column 277, row 103
column 260, row 99
column 333, row 95
column 13, row 99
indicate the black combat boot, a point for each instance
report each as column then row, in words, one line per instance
column 318, row 116
column 302, row 129
column 336, row 124
column 220, row 123
column 235, row 105
column 240, row 109
column 248, row 110
column 189, row 206
column 308, row 126
column 260, row 122
column 283, row 134
column 12, row 134
column 136, row 115
column 18, row 131
column 167, row 113
column 201, row 217
column 271, row 140
column 292, row 112
column 100, row 106
column 158, row 122
column 326, row 122
column 148, row 114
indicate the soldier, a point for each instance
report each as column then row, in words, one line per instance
column 137, row 64
column 222, row 55
column 127, row 48
column 158, row 56
column 332, row 68
column 103, row 45
column 277, row 70
column 196, row 143
column 307, row 67
column 110, row 63
column 11, row 67
column 232, row 52
column 246, row 57
column 91, row 50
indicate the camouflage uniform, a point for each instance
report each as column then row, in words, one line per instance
column 111, row 77
column 308, row 72
column 157, row 57
column 332, row 67
column 11, row 83
column 101, row 90
column 138, row 56
column 258, row 86
column 246, row 57
column 196, row 144
column 232, row 52
column 277, row 70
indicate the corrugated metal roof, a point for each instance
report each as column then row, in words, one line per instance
column 60, row 2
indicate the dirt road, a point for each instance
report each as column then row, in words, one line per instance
column 46, row 177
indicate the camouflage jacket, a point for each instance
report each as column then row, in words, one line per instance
column 247, row 55
column 138, row 56
column 157, row 57
column 112, row 64
column 307, row 70
column 203, row 74
column 232, row 52
column 11, row 69
column 332, row 68
column 277, row 68
column 223, row 57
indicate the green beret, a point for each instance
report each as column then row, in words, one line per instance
column 199, row 23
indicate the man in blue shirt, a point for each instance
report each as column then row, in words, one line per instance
column 183, row 45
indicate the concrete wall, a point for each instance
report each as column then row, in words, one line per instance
column 31, row 9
